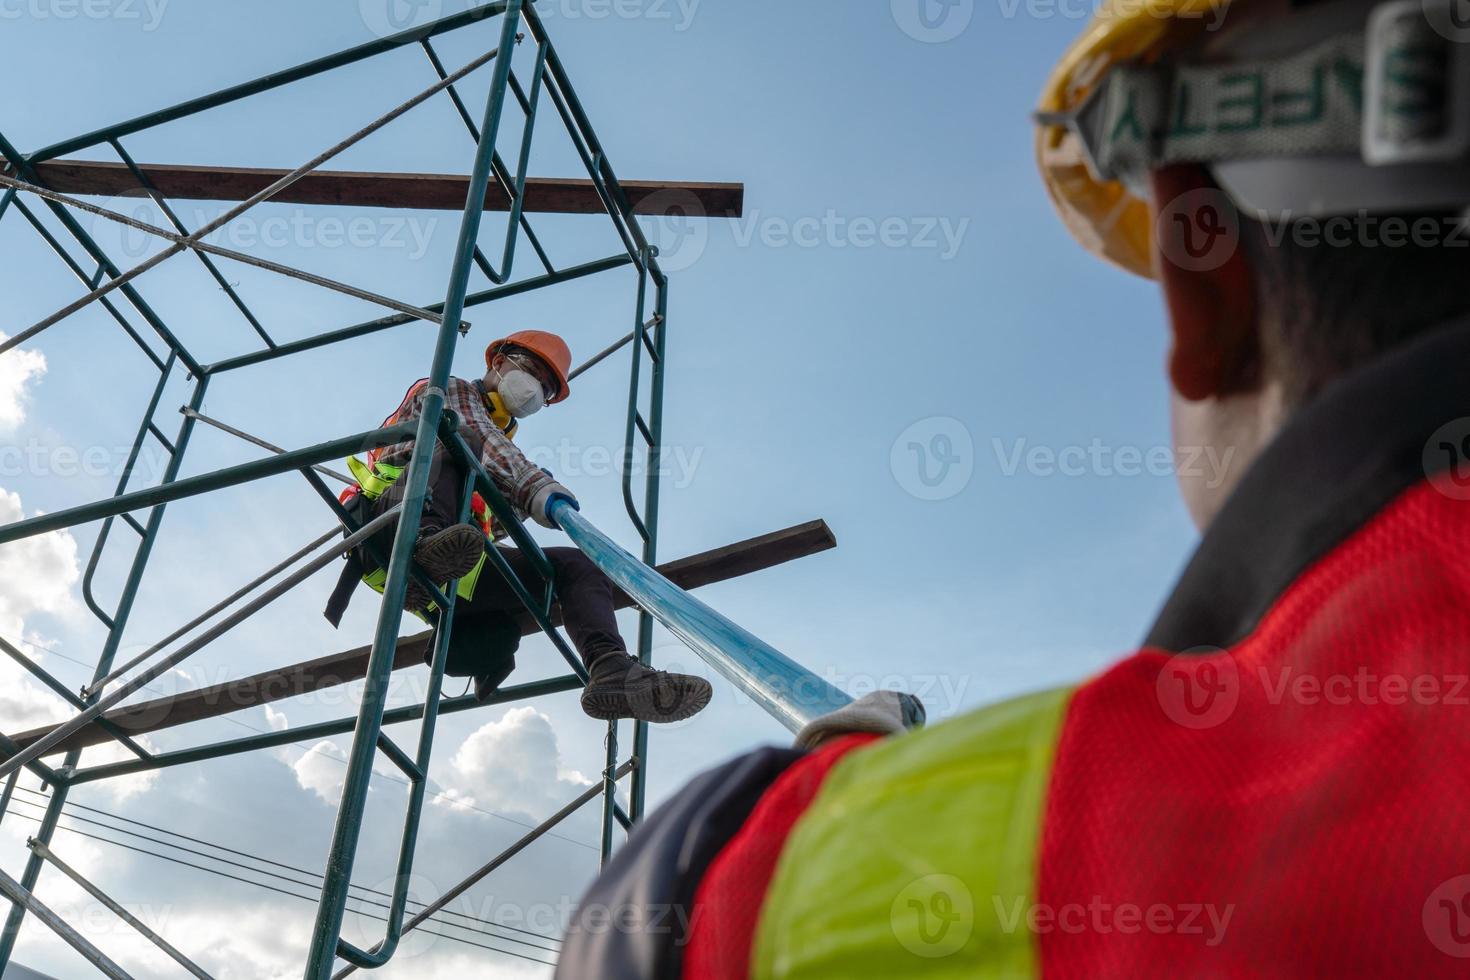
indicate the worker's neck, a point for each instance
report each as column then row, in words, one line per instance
column 1216, row 441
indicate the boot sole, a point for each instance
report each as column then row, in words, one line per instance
column 658, row 701
column 450, row 554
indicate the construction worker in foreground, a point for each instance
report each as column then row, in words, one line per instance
column 524, row 373
column 1276, row 783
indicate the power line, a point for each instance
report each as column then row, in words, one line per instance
column 282, row 891
column 245, row 854
column 481, row 926
column 290, row 881
column 391, row 777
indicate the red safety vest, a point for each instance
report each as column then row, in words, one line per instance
column 1274, row 786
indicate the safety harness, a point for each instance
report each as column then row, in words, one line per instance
column 376, row 478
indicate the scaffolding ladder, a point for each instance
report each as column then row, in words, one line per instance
column 57, row 183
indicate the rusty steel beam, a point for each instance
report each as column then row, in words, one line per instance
column 706, row 568
column 430, row 192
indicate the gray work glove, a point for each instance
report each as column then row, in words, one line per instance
column 881, row 713
column 541, row 503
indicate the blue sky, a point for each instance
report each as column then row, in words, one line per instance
column 898, row 337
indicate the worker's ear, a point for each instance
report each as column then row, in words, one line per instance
column 1207, row 285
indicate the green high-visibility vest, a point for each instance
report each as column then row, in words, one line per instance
column 957, row 808
column 374, row 481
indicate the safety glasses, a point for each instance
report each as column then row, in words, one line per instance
column 537, row 370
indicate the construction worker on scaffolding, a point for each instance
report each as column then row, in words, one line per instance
column 1274, row 784
column 524, row 373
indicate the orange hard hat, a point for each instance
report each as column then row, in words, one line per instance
column 547, row 346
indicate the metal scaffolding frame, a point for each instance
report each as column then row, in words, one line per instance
column 789, row 692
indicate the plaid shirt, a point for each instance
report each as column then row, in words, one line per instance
column 514, row 475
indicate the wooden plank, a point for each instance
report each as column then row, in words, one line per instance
column 430, row 192
column 721, row 564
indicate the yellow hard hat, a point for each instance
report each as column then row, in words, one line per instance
column 1156, row 82
column 1105, row 216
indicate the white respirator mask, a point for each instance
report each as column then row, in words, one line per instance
column 520, row 393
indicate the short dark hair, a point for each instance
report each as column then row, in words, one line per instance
column 1330, row 302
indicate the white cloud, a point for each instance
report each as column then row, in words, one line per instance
column 24, row 704
column 121, row 788
column 453, row 799
column 18, row 369
column 39, row 572
column 514, row 765
column 267, row 942
column 321, row 770
column 277, row 720
column 234, row 942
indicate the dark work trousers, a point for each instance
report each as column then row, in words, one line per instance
column 486, row 627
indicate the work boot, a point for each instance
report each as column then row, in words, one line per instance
column 487, row 685
column 621, row 687
column 443, row 555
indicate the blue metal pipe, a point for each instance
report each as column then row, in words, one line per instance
column 787, row 691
